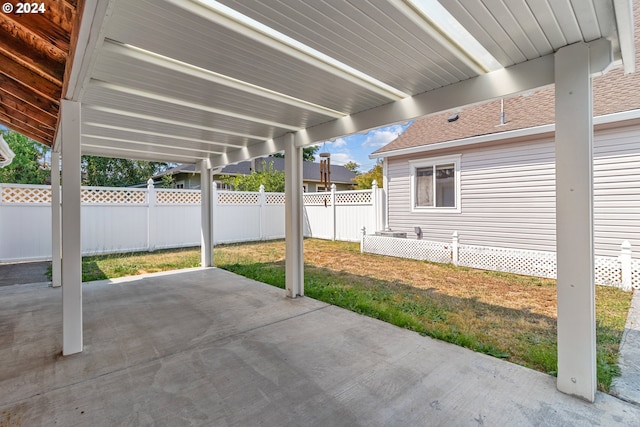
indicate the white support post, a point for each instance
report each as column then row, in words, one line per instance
column 625, row 265
column 294, row 264
column 574, row 223
column 206, row 217
column 151, row 218
column 214, row 211
column 364, row 233
column 263, row 211
column 71, row 229
column 385, row 186
column 375, row 203
column 56, row 248
column 455, row 247
column 334, row 212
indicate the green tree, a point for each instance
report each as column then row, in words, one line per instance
column 308, row 153
column 364, row 181
column 110, row 172
column 28, row 165
column 273, row 180
column 353, row 167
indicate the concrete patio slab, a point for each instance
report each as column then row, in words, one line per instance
column 627, row 385
column 23, row 272
column 207, row 347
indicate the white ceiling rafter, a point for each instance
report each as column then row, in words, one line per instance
column 162, row 135
column 187, row 104
column 150, row 155
column 439, row 24
column 193, row 71
column 179, row 123
column 225, row 16
column 206, row 152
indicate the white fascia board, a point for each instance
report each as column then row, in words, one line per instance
column 95, row 14
column 518, row 78
column 502, row 136
column 523, row 77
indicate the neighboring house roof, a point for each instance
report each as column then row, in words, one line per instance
column 613, row 92
column 310, row 170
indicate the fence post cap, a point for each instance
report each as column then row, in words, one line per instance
column 626, row 245
column 333, row 187
column 374, row 184
column 261, row 188
column 150, row 182
column 455, row 234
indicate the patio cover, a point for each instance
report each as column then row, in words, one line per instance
column 217, row 82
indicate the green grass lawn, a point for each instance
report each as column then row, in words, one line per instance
column 504, row 315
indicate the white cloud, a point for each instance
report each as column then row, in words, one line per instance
column 382, row 136
column 340, row 158
column 339, row 142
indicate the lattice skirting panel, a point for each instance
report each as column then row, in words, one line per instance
column 530, row 263
column 635, row 273
column 608, row 270
column 422, row 250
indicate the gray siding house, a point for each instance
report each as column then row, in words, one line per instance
column 188, row 176
column 493, row 180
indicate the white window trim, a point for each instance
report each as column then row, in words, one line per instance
column 421, row 163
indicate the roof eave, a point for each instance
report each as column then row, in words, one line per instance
column 503, row 136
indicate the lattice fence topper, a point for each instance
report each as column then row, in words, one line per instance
column 317, row 199
column 125, row 196
column 355, row 197
column 274, row 198
column 237, row 198
column 532, row 263
column 422, row 250
column 635, row 274
column 34, row 195
column 177, row 197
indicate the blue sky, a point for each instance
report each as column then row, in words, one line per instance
column 358, row 147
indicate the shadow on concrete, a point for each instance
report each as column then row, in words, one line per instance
column 24, row 272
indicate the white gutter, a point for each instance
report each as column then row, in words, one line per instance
column 6, row 155
column 501, row 136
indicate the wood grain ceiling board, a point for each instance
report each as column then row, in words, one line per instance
column 34, row 53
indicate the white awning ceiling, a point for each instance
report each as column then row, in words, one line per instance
column 187, row 80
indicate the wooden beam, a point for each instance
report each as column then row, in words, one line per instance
column 44, row 27
column 20, row 128
column 28, row 78
column 26, row 56
column 21, row 114
column 61, row 14
column 25, row 94
column 16, row 30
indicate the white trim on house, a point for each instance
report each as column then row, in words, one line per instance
column 435, row 161
column 501, row 136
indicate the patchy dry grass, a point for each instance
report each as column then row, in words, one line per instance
column 504, row 315
column 130, row 264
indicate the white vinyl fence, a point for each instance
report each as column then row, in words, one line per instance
column 621, row 271
column 130, row 219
